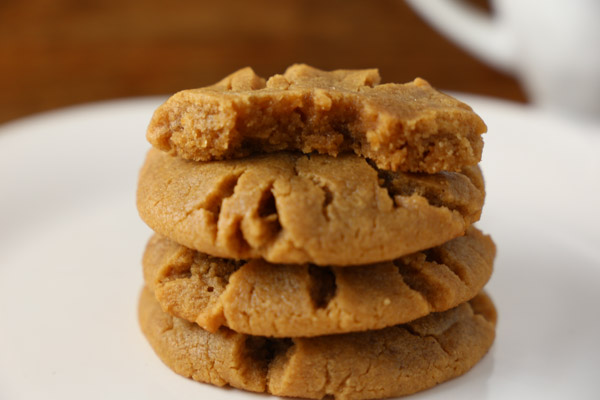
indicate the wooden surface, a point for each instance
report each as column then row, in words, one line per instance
column 55, row 53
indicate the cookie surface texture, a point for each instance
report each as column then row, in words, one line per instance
column 276, row 300
column 394, row 361
column 294, row 208
column 407, row 127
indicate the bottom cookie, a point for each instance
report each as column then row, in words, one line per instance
column 394, row 361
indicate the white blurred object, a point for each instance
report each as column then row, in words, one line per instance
column 553, row 46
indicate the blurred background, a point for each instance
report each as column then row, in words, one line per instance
column 56, row 53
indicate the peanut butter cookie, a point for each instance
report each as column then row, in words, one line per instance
column 407, row 127
column 393, row 361
column 263, row 299
column 294, row 208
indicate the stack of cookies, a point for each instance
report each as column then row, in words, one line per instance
column 313, row 235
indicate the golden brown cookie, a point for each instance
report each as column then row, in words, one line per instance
column 406, row 127
column 294, row 208
column 258, row 298
column 394, row 361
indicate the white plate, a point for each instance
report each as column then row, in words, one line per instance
column 71, row 243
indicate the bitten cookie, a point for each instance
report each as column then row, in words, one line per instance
column 294, row 208
column 407, row 127
column 389, row 362
column 263, row 299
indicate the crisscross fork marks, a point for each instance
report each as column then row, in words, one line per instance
column 225, row 189
column 267, row 211
column 322, row 285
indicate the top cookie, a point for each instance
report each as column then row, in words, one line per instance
column 405, row 127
